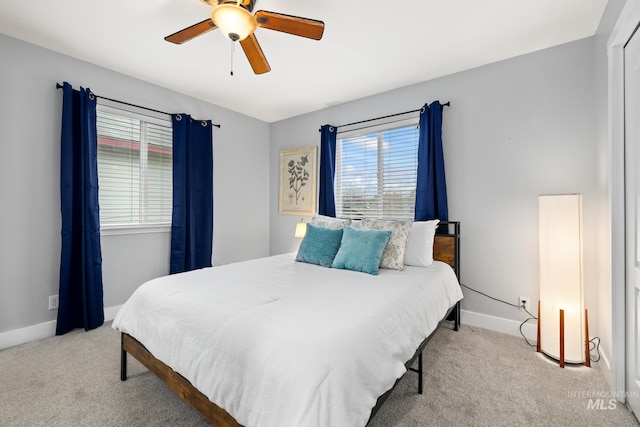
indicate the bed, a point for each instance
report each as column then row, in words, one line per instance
column 275, row 342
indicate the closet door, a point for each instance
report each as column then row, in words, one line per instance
column 632, row 217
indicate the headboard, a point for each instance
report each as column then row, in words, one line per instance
column 446, row 244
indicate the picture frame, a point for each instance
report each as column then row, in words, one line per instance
column 298, row 175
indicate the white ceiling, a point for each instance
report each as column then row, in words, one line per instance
column 369, row 46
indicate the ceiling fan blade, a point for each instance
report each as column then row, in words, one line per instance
column 254, row 54
column 191, row 32
column 303, row 27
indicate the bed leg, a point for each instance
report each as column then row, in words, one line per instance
column 420, row 373
column 454, row 316
column 123, row 360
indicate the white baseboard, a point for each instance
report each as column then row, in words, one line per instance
column 30, row 333
column 605, row 367
column 110, row 312
column 512, row 327
column 499, row 324
column 42, row 330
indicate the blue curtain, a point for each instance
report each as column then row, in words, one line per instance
column 192, row 218
column 327, row 203
column 431, row 187
column 80, row 294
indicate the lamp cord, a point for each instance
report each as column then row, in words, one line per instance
column 592, row 346
column 489, row 296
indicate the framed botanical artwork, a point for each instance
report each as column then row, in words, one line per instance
column 298, row 181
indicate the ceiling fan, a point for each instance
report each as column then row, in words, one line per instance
column 235, row 20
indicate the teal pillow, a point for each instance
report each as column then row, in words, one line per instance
column 319, row 245
column 361, row 249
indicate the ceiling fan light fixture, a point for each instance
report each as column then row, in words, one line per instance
column 234, row 21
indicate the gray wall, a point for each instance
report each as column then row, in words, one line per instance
column 515, row 129
column 30, row 111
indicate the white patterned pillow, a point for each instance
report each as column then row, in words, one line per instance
column 393, row 255
column 356, row 223
column 329, row 221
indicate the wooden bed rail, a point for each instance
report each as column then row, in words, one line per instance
column 176, row 382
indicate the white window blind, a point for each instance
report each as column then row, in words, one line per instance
column 135, row 164
column 376, row 172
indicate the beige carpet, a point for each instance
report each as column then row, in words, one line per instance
column 473, row 377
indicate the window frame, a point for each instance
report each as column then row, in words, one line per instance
column 147, row 116
column 361, row 132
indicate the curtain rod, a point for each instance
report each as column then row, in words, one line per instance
column 59, row 86
column 446, row 104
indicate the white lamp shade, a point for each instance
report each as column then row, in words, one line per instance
column 301, row 229
column 561, row 284
column 234, row 21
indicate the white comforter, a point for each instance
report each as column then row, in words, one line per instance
column 279, row 343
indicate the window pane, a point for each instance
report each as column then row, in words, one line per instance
column 357, row 187
column 376, row 174
column 118, row 168
column 134, row 170
column 400, row 172
column 159, row 174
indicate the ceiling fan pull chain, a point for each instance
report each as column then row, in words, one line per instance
column 233, row 45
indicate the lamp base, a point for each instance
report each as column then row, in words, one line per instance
column 561, row 360
column 555, row 359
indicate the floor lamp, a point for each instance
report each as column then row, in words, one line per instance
column 563, row 329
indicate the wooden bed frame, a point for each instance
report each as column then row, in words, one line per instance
column 446, row 248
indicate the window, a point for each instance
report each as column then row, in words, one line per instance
column 376, row 172
column 135, row 163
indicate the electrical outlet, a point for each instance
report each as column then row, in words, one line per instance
column 53, row 302
column 524, row 303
